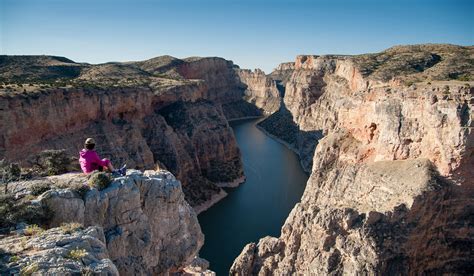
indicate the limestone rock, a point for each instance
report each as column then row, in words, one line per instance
column 66, row 205
column 55, row 252
column 148, row 226
column 198, row 267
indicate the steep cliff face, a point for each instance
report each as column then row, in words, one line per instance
column 223, row 83
column 391, row 189
column 261, row 90
column 148, row 227
column 282, row 73
column 162, row 111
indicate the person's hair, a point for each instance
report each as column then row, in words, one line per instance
column 89, row 146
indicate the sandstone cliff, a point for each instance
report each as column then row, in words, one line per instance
column 162, row 111
column 148, row 227
column 391, row 189
column 261, row 90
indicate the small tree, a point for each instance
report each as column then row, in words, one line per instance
column 9, row 172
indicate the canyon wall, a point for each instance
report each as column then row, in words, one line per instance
column 391, row 187
column 261, row 90
column 282, row 73
column 165, row 112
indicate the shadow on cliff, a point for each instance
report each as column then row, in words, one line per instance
column 433, row 237
column 281, row 126
column 4, row 258
column 281, row 88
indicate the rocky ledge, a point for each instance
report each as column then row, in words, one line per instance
column 148, row 227
column 68, row 250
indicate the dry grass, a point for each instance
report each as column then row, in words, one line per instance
column 29, row 269
column 76, row 254
column 69, row 228
column 33, row 230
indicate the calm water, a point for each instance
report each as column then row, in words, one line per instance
column 258, row 207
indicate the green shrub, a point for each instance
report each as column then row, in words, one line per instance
column 14, row 211
column 53, row 162
column 14, row 259
column 99, row 180
column 9, row 171
column 40, row 188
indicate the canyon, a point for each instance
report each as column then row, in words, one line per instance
column 161, row 112
column 391, row 185
column 387, row 139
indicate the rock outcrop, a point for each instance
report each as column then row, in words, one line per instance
column 148, row 227
column 391, row 189
column 126, row 107
column 261, row 90
column 57, row 252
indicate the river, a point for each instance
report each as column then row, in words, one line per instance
column 257, row 208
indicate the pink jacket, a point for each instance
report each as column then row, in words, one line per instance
column 90, row 161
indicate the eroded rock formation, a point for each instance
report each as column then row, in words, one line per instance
column 57, row 252
column 148, row 227
column 392, row 187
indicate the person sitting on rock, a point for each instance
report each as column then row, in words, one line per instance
column 90, row 160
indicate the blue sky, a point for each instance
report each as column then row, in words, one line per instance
column 252, row 33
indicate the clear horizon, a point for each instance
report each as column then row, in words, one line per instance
column 253, row 34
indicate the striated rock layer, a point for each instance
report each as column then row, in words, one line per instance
column 261, row 90
column 163, row 111
column 58, row 252
column 392, row 186
column 148, row 227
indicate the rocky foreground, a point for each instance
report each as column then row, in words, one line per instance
column 391, row 190
column 139, row 224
